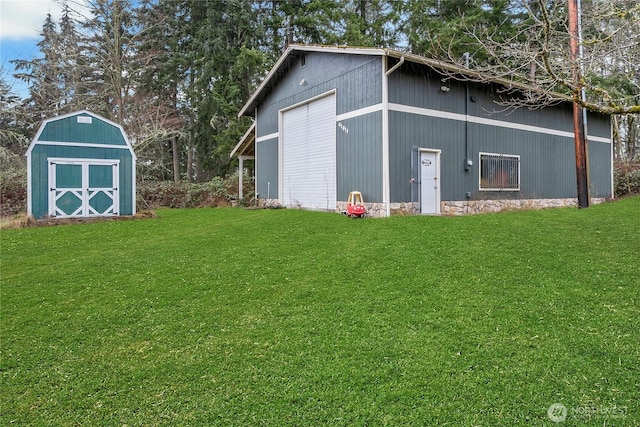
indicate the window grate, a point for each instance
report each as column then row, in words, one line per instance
column 499, row 172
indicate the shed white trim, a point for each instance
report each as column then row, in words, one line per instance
column 83, row 144
column 84, row 192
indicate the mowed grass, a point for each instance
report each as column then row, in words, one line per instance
column 285, row 317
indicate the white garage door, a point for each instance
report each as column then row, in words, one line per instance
column 309, row 155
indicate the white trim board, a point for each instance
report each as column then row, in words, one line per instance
column 274, row 135
column 451, row 116
column 308, row 100
column 83, row 144
column 360, row 112
column 490, row 122
column 79, row 161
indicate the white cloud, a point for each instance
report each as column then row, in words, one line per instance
column 23, row 19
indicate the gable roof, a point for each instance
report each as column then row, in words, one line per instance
column 286, row 60
column 246, row 146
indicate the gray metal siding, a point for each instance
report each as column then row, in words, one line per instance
column 600, row 173
column 359, row 157
column 483, row 103
column 40, row 173
column 547, row 161
column 599, row 125
column 267, row 169
column 357, row 80
column 558, row 117
column 419, row 87
column 547, row 170
column 410, row 130
column 547, row 167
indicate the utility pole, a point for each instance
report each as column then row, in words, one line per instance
column 579, row 129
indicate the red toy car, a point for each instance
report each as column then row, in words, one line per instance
column 355, row 205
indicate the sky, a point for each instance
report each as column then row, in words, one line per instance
column 20, row 25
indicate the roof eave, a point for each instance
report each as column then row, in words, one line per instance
column 442, row 67
column 241, row 145
column 248, row 108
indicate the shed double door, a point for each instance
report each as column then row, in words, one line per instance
column 83, row 188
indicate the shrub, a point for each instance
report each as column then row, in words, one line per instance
column 13, row 183
column 626, row 179
column 217, row 192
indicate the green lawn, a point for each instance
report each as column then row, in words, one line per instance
column 284, row 317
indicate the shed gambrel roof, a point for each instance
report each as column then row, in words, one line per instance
column 294, row 51
column 83, row 129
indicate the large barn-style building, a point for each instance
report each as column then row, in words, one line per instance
column 401, row 130
column 80, row 165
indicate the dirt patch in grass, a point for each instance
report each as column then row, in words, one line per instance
column 24, row 221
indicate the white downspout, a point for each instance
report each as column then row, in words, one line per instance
column 240, row 174
column 386, row 184
column 395, row 67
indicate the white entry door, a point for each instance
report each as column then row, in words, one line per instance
column 83, row 188
column 430, row 182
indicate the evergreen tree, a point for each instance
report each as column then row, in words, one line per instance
column 42, row 74
column 160, row 122
column 370, row 23
column 71, row 63
column 220, row 80
column 13, row 129
column 447, row 29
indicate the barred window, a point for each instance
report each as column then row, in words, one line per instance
column 499, row 172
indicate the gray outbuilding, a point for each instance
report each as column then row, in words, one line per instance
column 410, row 137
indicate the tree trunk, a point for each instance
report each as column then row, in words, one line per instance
column 190, row 164
column 176, row 159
